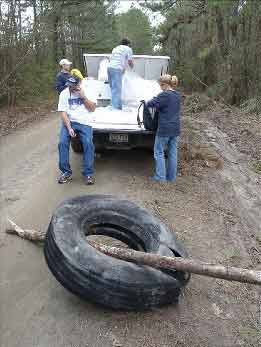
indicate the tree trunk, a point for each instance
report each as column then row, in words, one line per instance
column 36, row 38
column 258, row 96
column 19, row 20
column 55, row 38
column 221, row 32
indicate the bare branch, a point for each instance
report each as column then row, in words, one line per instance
column 31, row 235
column 181, row 264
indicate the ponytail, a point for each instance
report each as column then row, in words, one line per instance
column 172, row 81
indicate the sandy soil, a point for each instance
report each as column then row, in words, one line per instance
column 216, row 213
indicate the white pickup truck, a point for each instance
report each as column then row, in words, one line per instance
column 119, row 129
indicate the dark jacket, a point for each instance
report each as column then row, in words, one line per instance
column 168, row 104
column 61, row 79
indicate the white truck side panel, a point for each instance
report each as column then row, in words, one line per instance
column 148, row 67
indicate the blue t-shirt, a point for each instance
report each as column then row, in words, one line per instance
column 61, row 79
column 168, row 105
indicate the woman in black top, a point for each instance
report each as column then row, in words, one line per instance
column 168, row 105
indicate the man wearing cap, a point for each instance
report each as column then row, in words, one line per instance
column 63, row 75
column 76, row 109
column 121, row 57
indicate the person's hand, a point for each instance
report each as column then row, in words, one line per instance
column 81, row 93
column 72, row 132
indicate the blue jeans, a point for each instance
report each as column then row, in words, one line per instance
column 165, row 172
column 115, row 81
column 86, row 134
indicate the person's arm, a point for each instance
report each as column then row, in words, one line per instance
column 90, row 105
column 157, row 101
column 130, row 59
column 131, row 64
column 59, row 85
column 67, row 123
column 63, row 108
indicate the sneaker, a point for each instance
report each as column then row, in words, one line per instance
column 89, row 180
column 154, row 179
column 64, row 178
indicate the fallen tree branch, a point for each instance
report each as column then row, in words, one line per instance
column 31, row 235
column 157, row 261
column 182, row 264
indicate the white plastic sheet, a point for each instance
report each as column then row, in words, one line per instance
column 135, row 88
column 102, row 73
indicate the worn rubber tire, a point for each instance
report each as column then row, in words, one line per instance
column 106, row 280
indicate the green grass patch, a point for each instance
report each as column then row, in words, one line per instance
column 250, row 332
column 257, row 167
column 232, row 253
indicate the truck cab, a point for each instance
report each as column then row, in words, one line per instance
column 119, row 129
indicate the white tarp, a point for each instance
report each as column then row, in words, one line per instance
column 136, row 88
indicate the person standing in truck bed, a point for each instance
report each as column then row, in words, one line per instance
column 121, row 57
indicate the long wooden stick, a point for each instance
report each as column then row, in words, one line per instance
column 189, row 265
column 157, row 261
column 31, row 235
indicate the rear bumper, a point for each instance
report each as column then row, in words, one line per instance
column 136, row 139
column 122, row 131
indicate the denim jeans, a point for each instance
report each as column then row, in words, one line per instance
column 86, row 134
column 115, row 81
column 165, row 172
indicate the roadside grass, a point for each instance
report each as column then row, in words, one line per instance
column 232, row 254
column 256, row 166
column 249, row 332
column 258, row 238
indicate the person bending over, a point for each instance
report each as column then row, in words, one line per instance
column 121, row 57
column 76, row 110
column 168, row 104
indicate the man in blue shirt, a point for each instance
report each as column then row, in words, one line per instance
column 63, row 75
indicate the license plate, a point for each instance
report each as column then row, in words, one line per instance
column 119, row 138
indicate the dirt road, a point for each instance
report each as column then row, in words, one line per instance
column 215, row 213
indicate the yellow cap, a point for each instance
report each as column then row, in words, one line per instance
column 77, row 73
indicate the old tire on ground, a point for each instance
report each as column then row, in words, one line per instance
column 76, row 144
column 114, row 283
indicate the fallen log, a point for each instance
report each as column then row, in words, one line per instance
column 31, row 235
column 188, row 265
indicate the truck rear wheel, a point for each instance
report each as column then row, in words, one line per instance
column 76, row 144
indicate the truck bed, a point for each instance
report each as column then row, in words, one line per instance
column 108, row 119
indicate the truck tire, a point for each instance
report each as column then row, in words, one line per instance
column 76, row 144
column 105, row 280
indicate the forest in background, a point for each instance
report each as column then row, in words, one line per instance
column 214, row 45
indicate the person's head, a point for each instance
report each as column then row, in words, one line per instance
column 77, row 73
column 168, row 82
column 125, row 42
column 65, row 64
column 73, row 83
